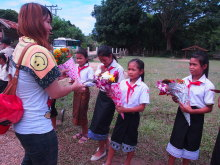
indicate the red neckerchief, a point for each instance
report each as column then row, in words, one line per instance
column 130, row 88
column 110, row 68
column 198, row 83
column 81, row 68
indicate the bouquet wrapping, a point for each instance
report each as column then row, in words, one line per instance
column 176, row 88
column 116, row 95
column 71, row 66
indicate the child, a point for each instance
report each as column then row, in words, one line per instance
column 105, row 107
column 135, row 95
column 216, row 152
column 81, row 99
column 185, row 139
column 4, row 72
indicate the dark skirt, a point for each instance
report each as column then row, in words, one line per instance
column 102, row 117
column 216, row 152
column 3, row 85
column 80, row 107
column 125, row 133
column 126, row 130
column 184, row 136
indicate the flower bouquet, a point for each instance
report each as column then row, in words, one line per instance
column 104, row 80
column 61, row 55
column 107, row 82
column 176, row 88
column 71, row 66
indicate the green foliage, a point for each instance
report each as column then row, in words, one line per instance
column 119, row 23
column 62, row 28
column 9, row 15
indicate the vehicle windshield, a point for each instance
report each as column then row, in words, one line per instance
column 59, row 43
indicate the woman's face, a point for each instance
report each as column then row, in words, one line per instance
column 47, row 25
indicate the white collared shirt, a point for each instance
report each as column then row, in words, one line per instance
column 116, row 66
column 85, row 74
column 201, row 96
column 139, row 96
column 3, row 73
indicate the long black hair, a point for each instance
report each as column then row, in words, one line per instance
column 106, row 51
column 2, row 56
column 203, row 59
column 140, row 65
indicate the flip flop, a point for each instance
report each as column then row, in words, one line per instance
column 77, row 136
column 83, row 139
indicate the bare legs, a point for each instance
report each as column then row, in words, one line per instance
column 85, row 130
column 103, row 145
column 172, row 159
column 111, row 153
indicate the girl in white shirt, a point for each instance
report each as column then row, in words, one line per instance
column 4, row 72
column 81, row 99
column 135, row 96
column 185, row 139
column 105, row 107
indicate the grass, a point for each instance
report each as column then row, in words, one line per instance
column 156, row 121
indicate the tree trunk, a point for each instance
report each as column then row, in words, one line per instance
column 169, row 43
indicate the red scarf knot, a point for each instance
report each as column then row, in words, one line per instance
column 110, row 68
column 81, row 68
column 130, row 89
column 198, row 83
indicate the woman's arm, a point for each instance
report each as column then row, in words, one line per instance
column 138, row 108
column 55, row 90
column 188, row 109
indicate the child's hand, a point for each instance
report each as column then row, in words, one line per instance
column 103, row 68
column 119, row 109
column 175, row 99
column 185, row 108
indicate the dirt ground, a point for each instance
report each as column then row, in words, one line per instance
column 70, row 152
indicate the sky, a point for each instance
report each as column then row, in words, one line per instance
column 78, row 12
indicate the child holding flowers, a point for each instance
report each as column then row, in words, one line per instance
column 186, row 138
column 135, row 96
column 81, row 99
column 105, row 107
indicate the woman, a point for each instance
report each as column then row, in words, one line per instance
column 38, row 80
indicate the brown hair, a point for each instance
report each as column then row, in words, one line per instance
column 31, row 23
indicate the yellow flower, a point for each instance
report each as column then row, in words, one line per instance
column 57, row 52
column 112, row 78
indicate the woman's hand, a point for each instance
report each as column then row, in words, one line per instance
column 63, row 74
column 77, row 86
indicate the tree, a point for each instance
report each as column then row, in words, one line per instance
column 62, row 28
column 119, row 23
column 9, row 14
column 179, row 15
column 172, row 15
